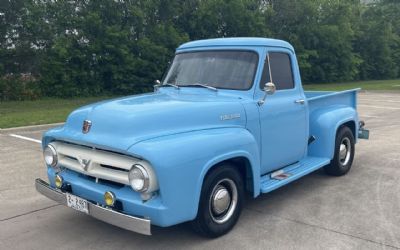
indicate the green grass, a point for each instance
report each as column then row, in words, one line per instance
column 384, row 85
column 49, row 110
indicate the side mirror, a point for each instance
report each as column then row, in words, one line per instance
column 157, row 84
column 269, row 89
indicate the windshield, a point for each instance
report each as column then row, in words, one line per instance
column 233, row 69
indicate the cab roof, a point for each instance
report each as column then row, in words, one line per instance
column 237, row 41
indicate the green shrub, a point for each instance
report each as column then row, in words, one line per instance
column 19, row 88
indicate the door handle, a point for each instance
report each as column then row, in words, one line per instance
column 300, row 101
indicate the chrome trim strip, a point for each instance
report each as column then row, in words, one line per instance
column 135, row 224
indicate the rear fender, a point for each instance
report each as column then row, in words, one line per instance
column 324, row 124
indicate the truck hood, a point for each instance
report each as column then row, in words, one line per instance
column 118, row 124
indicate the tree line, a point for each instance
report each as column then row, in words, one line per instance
column 92, row 47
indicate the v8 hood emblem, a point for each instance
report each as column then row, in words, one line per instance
column 84, row 163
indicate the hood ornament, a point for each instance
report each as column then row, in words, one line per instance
column 86, row 126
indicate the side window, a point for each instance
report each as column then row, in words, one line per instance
column 281, row 70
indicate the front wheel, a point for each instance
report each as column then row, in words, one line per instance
column 220, row 202
column 344, row 153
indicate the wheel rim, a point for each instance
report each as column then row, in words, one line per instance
column 223, row 201
column 344, row 151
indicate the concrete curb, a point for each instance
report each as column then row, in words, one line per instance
column 32, row 127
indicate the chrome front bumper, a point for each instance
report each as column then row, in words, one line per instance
column 135, row 224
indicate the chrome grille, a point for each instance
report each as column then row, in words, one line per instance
column 93, row 162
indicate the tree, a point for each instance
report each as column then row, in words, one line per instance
column 87, row 47
column 322, row 33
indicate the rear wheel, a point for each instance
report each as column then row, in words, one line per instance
column 220, row 202
column 344, row 153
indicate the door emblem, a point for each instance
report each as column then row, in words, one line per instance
column 229, row 117
column 86, row 126
column 84, row 163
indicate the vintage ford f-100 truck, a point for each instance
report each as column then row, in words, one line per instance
column 229, row 119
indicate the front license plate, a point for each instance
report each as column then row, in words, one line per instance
column 77, row 203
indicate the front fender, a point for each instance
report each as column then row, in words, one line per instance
column 324, row 124
column 181, row 162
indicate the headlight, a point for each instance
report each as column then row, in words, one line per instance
column 139, row 178
column 50, row 155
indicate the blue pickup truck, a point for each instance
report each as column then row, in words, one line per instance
column 230, row 119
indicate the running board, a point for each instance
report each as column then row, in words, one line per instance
column 291, row 173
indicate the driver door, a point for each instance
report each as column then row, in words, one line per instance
column 284, row 127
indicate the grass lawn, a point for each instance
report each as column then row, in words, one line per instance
column 388, row 85
column 51, row 110
column 24, row 113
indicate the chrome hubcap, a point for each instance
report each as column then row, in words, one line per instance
column 345, row 151
column 223, row 201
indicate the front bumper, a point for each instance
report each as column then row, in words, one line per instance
column 135, row 224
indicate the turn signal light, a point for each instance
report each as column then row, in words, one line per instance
column 58, row 181
column 109, row 198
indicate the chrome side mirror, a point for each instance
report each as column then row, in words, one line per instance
column 157, row 85
column 269, row 89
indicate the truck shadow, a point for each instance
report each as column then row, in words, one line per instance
column 296, row 210
column 181, row 236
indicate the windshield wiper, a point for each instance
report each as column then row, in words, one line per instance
column 169, row 84
column 201, row 85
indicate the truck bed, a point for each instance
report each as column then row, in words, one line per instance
column 319, row 99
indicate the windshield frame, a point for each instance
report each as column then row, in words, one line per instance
column 218, row 50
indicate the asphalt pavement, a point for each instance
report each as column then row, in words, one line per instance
column 358, row 211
